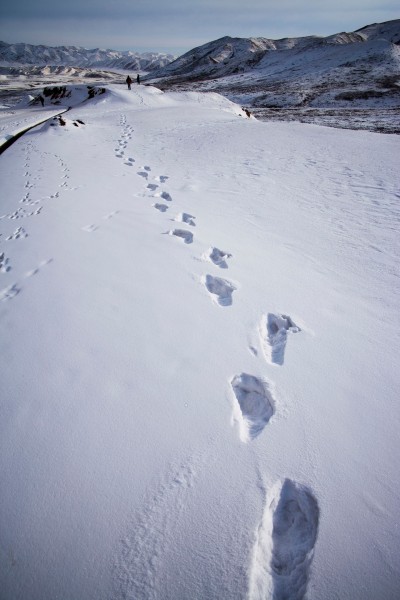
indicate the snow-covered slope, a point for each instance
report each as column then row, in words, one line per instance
column 28, row 54
column 232, row 55
column 199, row 393
column 346, row 70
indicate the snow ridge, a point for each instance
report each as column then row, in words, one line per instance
column 300, row 78
column 73, row 56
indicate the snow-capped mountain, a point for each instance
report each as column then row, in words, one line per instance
column 227, row 55
column 341, row 70
column 27, row 54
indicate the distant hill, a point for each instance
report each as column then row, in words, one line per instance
column 27, row 54
column 360, row 68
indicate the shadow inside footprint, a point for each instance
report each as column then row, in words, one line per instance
column 295, row 529
column 284, row 544
column 4, row 266
column 187, row 236
column 160, row 207
column 218, row 257
column 221, row 288
column 255, row 405
column 274, row 330
column 186, row 218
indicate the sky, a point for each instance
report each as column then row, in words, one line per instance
column 176, row 26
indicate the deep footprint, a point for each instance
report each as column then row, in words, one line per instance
column 186, row 218
column 218, row 257
column 187, row 236
column 160, row 207
column 285, row 542
column 273, row 332
column 254, row 405
column 220, row 289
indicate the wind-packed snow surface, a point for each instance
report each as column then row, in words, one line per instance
column 199, row 337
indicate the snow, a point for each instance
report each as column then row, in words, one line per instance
column 346, row 80
column 199, row 396
column 48, row 56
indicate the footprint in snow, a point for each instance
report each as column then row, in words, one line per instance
column 253, row 407
column 284, row 543
column 110, row 215
column 25, row 198
column 152, row 187
column 39, row 267
column 160, row 207
column 4, row 266
column 221, row 290
column 218, row 257
column 273, row 331
column 187, row 236
column 186, row 218
column 166, row 196
column 9, row 292
column 162, row 178
column 90, row 228
column 19, row 233
column 143, row 174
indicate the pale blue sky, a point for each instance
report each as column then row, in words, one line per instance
column 176, row 26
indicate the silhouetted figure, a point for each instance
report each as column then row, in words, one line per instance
column 41, row 99
column 128, row 82
column 138, row 78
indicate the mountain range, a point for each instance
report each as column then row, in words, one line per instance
column 28, row 54
column 348, row 79
column 360, row 69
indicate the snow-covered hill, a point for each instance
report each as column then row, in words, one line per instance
column 342, row 71
column 199, row 340
column 28, row 54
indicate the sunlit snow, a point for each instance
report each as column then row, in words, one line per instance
column 199, row 341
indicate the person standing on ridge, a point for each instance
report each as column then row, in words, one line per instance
column 138, row 79
column 128, row 82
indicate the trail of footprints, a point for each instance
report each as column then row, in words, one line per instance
column 32, row 207
column 125, row 137
column 286, row 536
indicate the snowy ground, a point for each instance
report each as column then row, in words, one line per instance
column 199, row 333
